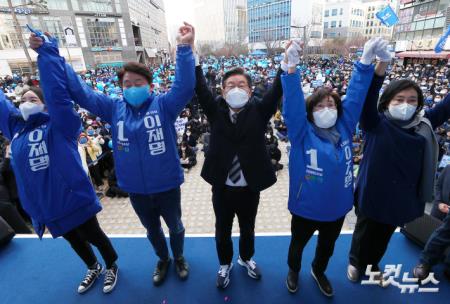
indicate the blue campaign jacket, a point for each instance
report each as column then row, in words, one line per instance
column 320, row 173
column 388, row 183
column 144, row 138
column 53, row 187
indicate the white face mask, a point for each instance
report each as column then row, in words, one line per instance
column 236, row 98
column 402, row 111
column 325, row 118
column 28, row 108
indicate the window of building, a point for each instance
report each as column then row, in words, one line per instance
column 341, row 11
column 316, row 34
column 327, row 13
column 101, row 6
column 334, row 12
column 429, row 24
column 102, row 32
column 105, row 57
column 333, row 23
column 9, row 39
column 440, row 22
column 325, row 24
column 53, row 25
column 75, row 6
column 57, row 4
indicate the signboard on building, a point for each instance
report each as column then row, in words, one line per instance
column 424, row 44
column 70, row 35
column 23, row 11
column 109, row 49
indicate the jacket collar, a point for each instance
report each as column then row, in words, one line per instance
column 36, row 120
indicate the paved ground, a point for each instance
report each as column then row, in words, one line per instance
column 118, row 217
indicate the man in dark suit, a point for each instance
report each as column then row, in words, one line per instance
column 237, row 164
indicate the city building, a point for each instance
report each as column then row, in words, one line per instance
column 373, row 26
column 148, row 22
column 220, row 21
column 421, row 25
column 90, row 32
column 272, row 22
column 344, row 19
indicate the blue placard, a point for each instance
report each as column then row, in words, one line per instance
column 387, row 16
column 441, row 43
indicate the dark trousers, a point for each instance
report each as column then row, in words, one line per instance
column 12, row 216
column 369, row 243
column 228, row 202
column 437, row 244
column 150, row 208
column 88, row 233
column 302, row 230
column 96, row 175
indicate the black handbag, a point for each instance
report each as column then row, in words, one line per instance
column 6, row 232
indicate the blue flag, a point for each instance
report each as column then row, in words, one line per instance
column 441, row 43
column 387, row 16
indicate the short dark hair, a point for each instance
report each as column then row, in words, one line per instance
column 236, row 71
column 396, row 87
column 35, row 90
column 317, row 97
column 135, row 67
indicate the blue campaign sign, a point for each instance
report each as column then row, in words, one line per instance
column 441, row 43
column 387, row 16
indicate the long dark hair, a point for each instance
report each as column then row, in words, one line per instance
column 396, row 87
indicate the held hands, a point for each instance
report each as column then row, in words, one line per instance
column 186, row 34
column 382, row 52
column 370, row 49
column 292, row 55
column 36, row 42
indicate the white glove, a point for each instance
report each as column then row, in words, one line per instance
column 382, row 52
column 369, row 50
column 293, row 56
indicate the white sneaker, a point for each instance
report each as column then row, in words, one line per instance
column 90, row 278
column 223, row 276
column 252, row 270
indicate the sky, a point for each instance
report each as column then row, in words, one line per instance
column 177, row 11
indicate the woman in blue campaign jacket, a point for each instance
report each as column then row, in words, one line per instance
column 321, row 162
column 145, row 144
column 396, row 175
column 53, row 187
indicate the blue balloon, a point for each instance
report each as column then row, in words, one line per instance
column 110, row 144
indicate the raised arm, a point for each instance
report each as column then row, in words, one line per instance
column 369, row 116
column 440, row 113
column 183, row 87
column 352, row 105
column 361, row 83
column 10, row 117
column 204, row 94
column 294, row 109
column 54, row 86
column 270, row 100
column 95, row 102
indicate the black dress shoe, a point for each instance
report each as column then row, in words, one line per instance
column 292, row 281
column 182, row 268
column 421, row 271
column 160, row 271
column 323, row 283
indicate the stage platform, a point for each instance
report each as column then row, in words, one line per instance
column 48, row 271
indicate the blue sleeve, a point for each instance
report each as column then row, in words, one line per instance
column 54, row 86
column 370, row 116
column 294, row 109
column 440, row 113
column 182, row 89
column 10, row 120
column 353, row 103
column 95, row 102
